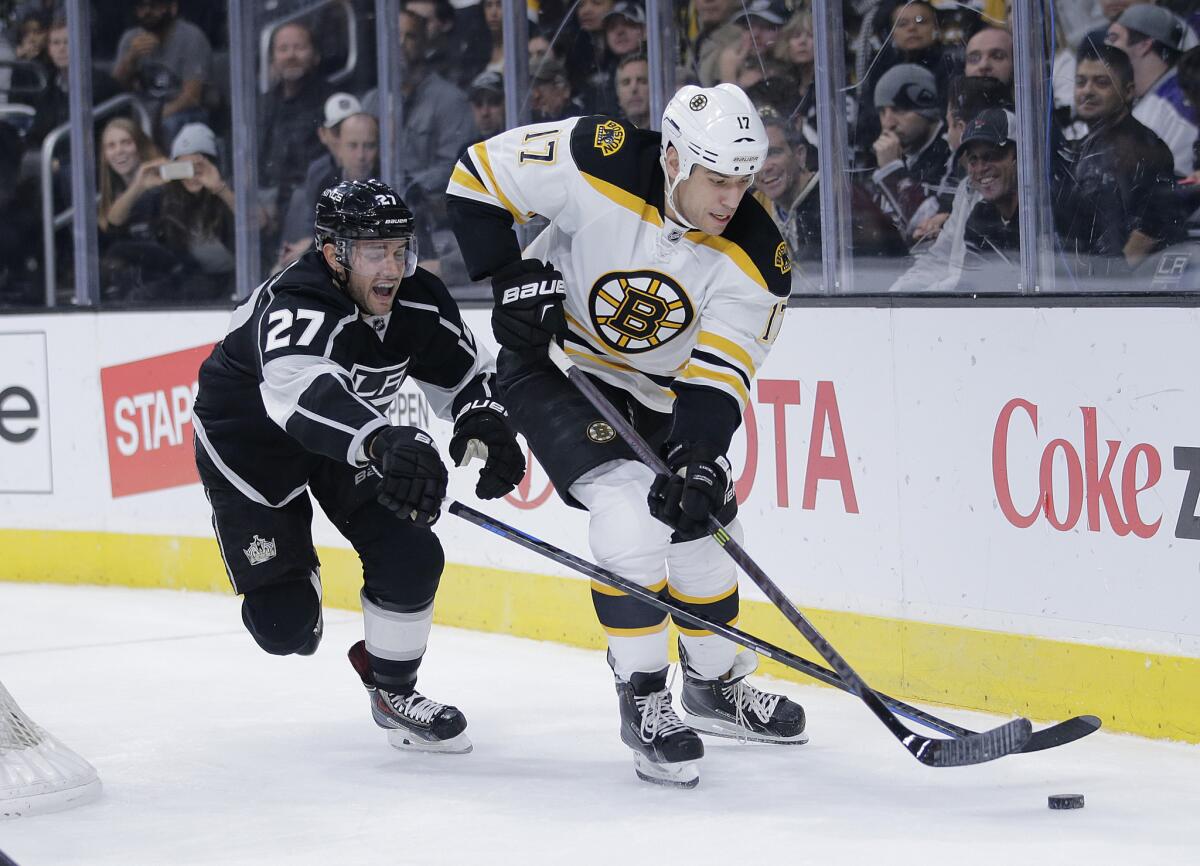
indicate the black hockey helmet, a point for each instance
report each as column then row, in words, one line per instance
column 364, row 210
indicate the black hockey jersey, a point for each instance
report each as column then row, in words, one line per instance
column 303, row 375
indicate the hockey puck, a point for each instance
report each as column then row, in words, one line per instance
column 1066, row 801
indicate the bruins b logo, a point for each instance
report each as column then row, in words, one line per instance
column 638, row 310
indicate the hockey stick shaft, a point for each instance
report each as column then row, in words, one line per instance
column 972, row 749
column 1055, row 735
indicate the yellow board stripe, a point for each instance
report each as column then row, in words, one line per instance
column 483, row 162
column 625, row 199
column 1152, row 694
column 605, row 589
column 464, row 178
column 730, row 348
column 734, row 252
column 692, row 371
column 701, row 632
column 636, row 632
column 701, row 599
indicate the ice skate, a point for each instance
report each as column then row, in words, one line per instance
column 665, row 751
column 731, row 707
column 412, row 721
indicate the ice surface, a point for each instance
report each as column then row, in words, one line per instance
column 213, row 752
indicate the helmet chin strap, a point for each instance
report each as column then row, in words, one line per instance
column 672, row 185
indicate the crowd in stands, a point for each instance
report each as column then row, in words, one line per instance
column 929, row 102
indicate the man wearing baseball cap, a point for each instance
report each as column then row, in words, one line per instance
column 487, row 103
column 910, row 151
column 988, row 151
column 1154, row 38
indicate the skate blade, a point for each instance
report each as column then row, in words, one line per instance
column 720, row 728
column 683, row 774
column 409, row 742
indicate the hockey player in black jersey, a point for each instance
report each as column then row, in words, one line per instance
column 295, row 398
column 667, row 285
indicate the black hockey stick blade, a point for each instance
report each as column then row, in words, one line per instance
column 1075, row 728
column 972, row 749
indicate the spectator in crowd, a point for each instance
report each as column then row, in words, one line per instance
column 493, row 22
column 910, row 151
column 795, row 48
column 351, row 138
column 168, row 62
column 197, row 217
column 539, row 49
column 913, row 39
column 751, row 35
column 586, row 56
column 188, row 256
column 1120, row 206
column 787, row 187
column 291, row 113
column 625, row 29
column 20, row 242
column 710, row 17
column 129, row 168
column 1111, row 10
column 624, row 35
column 32, row 32
column 990, row 52
column 1154, row 39
column 442, row 49
column 1188, row 72
column 52, row 107
column 437, row 123
column 978, row 248
column 550, row 93
column 967, row 97
column 487, row 104
column 633, row 90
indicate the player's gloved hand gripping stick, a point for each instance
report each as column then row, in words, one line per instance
column 972, row 749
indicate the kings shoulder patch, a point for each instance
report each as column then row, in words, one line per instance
column 610, row 136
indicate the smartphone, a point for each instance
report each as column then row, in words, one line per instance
column 177, row 170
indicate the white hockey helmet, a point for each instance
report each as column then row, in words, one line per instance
column 716, row 127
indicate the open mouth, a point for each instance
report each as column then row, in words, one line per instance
column 383, row 290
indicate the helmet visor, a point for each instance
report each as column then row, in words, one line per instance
column 378, row 258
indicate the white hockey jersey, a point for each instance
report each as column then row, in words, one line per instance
column 652, row 308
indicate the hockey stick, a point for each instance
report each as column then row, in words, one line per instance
column 974, row 749
column 1047, row 738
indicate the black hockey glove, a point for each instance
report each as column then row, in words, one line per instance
column 529, row 305
column 413, row 478
column 694, row 491
column 482, row 430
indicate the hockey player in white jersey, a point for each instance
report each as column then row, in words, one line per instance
column 295, row 397
column 667, row 285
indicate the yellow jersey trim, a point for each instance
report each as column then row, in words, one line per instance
column 482, row 160
column 730, row 348
column 629, row 201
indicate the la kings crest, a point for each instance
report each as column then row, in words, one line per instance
column 636, row 311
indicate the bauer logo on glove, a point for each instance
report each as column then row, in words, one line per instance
column 532, row 290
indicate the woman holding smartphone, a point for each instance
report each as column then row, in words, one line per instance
column 195, row 219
